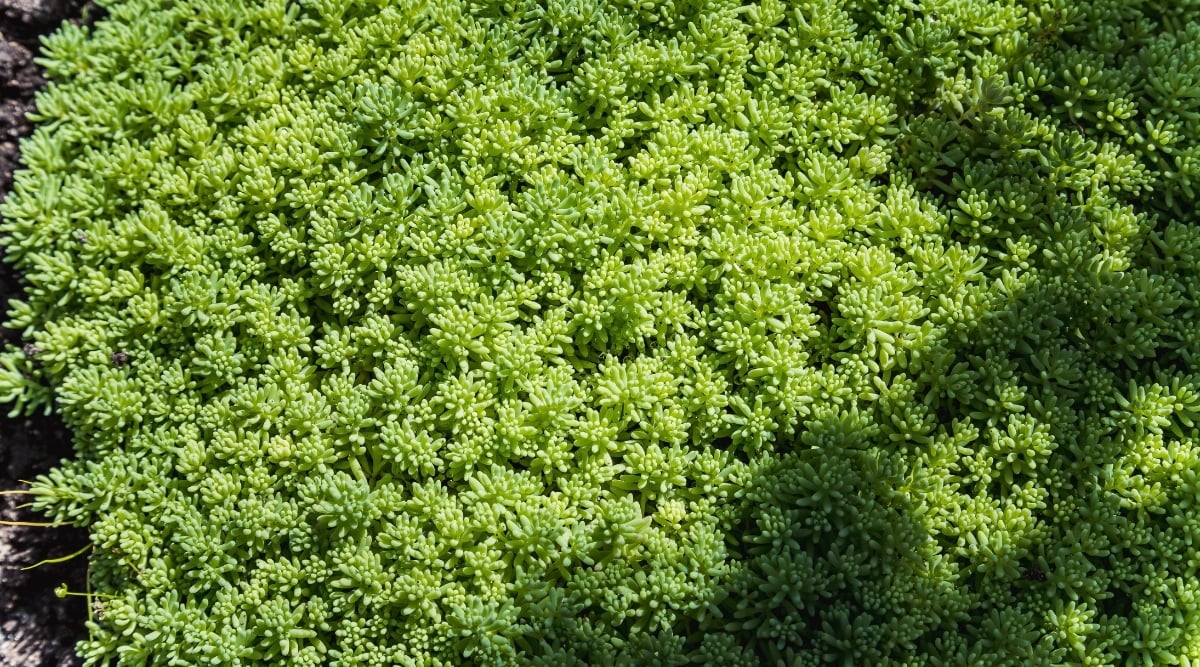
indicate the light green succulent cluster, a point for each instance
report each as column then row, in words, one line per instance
column 450, row 332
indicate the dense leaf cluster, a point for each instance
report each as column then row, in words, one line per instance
column 443, row 332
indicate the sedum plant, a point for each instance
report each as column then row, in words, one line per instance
column 456, row 332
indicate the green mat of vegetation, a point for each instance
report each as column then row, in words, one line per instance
column 459, row 332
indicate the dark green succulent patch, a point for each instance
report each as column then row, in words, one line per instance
column 585, row 333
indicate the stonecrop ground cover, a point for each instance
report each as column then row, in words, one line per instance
column 458, row 332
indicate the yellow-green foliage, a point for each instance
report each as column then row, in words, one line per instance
column 457, row 332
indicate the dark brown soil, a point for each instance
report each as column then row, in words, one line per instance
column 37, row 628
